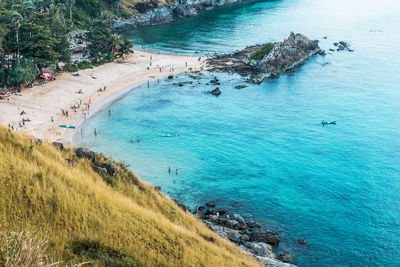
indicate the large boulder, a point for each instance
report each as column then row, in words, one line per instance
column 58, row 145
column 238, row 218
column 285, row 257
column 231, row 224
column 110, row 168
column 82, row 152
column 261, row 235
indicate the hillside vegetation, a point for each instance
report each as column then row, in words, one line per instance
column 121, row 222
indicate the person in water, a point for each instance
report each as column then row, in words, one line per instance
column 169, row 169
column 138, row 139
column 176, row 171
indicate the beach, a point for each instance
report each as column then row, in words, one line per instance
column 43, row 105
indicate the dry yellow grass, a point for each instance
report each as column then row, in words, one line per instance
column 84, row 218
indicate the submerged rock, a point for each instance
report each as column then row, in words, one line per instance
column 211, row 204
column 240, row 86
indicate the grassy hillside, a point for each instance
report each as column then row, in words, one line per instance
column 124, row 222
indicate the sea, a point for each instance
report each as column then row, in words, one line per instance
column 261, row 150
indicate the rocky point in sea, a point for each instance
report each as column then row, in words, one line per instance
column 272, row 58
column 250, row 236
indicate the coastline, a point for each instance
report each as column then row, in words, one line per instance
column 41, row 103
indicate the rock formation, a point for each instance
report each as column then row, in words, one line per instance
column 248, row 235
column 152, row 14
column 282, row 57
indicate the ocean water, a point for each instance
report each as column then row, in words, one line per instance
column 262, row 150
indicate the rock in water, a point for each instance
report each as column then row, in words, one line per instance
column 282, row 57
column 285, row 257
column 302, row 241
column 216, row 92
column 268, row 237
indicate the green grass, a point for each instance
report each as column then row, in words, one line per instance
column 262, row 51
column 85, row 219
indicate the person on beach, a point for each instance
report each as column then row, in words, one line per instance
column 95, row 132
column 104, row 88
column 169, row 169
column 176, row 171
column 160, row 69
column 63, row 112
column 66, row 113
column 186, row 64
column 52, row 119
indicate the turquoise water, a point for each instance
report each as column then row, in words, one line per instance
column 262, row 149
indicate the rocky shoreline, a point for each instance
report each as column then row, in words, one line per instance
column 250, row 236
column 152, row 14
column 281, row 57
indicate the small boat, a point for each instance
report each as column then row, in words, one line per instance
column 328, row 122
column 67, row 126
column 170, row 135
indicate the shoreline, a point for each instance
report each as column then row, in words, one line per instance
column 43, row 102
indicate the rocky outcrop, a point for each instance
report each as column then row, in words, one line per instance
column 249, row 236
column 151, row 14
column 284, row 56
column 216, row 92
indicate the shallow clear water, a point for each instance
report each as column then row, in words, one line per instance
column 262, row 148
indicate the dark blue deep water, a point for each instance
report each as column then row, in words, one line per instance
column 262, row 148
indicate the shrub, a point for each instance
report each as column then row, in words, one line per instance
column 103, row 254
column 71, row 67
column 84, row 65
column 262, row 51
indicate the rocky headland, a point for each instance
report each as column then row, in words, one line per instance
column 151, row 13
column 250, row 236
column 268, row 60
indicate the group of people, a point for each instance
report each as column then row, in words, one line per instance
column 169, row 170
column 138, row 140
column 22, row 122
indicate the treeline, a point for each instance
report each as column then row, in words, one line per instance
column 34, row 36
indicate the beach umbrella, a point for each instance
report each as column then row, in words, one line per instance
column 2, row 93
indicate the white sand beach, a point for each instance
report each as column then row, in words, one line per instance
column 41, row 103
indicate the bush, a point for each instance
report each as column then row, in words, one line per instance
column 103, row 254
column 71, row 67
column 262, row 51
column 85, row 65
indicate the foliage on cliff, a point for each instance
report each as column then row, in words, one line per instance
column 84, row 218
column 262, row 51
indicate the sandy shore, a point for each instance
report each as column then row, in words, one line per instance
column 41, row 103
